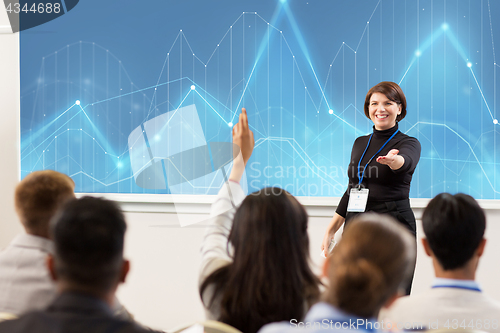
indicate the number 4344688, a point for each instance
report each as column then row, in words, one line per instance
column 39, row 8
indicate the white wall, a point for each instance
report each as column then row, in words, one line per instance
column 9, row 128
column 162, row 287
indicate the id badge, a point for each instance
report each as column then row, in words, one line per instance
column 357, row 200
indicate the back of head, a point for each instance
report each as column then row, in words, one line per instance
column 454, row 226
column 270, row 278
column 38, row 196
column 89, row 234
column 370, row 264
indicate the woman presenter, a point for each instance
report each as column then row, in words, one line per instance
column 382, row 165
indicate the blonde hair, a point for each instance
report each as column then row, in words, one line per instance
column 38, row 196
column 370, row 264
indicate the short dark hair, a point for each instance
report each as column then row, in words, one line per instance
column 89, row 234
column 38, row 197
column 454, row 227
column 392, row 91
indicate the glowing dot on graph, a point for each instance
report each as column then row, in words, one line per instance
column 119, row 164
column 495, row 121
column 157, row 137
column 230, row 124
column 193, row 87
column 418, row 53
column 77, row 102
column 330, row 111
column 445, row 26
column 469, row 64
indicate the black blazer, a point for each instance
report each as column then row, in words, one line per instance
column 71, row 313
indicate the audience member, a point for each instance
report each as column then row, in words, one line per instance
column 454, row 229
column 25, row 282
column 255, row 256
column 87, row 266
column 366, row 270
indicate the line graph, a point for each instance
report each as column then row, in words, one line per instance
column 303, row 104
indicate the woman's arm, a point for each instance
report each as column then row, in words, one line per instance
column 404, row 159
column 332, row 228
column 214, row 248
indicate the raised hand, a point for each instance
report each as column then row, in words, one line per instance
column 243, row 138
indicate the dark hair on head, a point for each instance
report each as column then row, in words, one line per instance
column 89, row 234
column 370, row 264
column 454, row 226
column 270, row 278
column 392, row 91
column 38, row 196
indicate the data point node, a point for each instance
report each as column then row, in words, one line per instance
column 418, row 53
column 495, row 121
column 469, row 65
column 77, row 102
column 445, row 26
column 330, row 111
column 193, row 87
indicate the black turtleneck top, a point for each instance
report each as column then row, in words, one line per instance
column 384, row 183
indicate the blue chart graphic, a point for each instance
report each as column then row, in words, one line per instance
column 106, row 79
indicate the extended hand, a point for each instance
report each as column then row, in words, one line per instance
column 392, row 159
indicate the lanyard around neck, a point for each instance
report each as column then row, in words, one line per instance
column 359, row 163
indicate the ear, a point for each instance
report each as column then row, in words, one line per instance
column 124, row 271
column 326, row 265
column 49, row 261
column 427, row 248
column 480, row 248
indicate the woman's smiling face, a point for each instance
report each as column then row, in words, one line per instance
column 383, row 112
